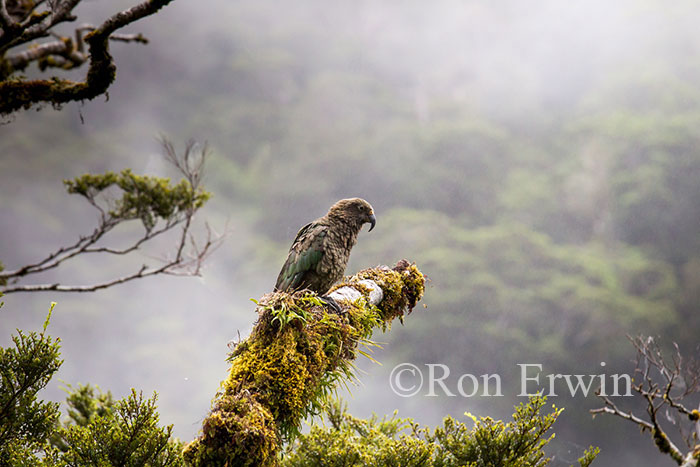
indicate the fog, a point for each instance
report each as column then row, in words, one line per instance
column 304, row 103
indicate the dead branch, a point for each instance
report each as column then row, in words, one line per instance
column 663, row 384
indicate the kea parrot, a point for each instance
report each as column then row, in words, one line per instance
column 320, row 251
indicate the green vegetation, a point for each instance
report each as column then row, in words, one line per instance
column 143, row 197
column 279, row 375
column 26, row 424
column 350, row 441
column 98, row 431
column 562, row 302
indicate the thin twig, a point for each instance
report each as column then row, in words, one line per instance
column 611, row 408
column 61, row 255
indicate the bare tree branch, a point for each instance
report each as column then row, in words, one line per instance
column 175, row 267
column 62, row 48
column 611, row 408
column 59, row 256
column 662, row 384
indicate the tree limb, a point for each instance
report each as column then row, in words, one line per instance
column 37, row 25
column 175, row 267
column 295, row 356
column 18, row 94
column 71, row 52
column 612, row 409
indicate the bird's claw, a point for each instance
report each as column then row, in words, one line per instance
column 332, row 303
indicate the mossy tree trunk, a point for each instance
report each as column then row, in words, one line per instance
column 296, row 354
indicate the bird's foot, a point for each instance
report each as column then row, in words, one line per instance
column 332, row 303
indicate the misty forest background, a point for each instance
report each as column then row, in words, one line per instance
column 540, row 161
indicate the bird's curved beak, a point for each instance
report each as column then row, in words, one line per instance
column 372, row 221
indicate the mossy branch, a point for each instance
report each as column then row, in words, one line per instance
column 25, row 26
column 295, row 356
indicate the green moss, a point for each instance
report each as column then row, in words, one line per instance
column 16, row 94
column 295, row 356
column 347, row 441
column 403, row 287
column 664, row 445
column 238, row 432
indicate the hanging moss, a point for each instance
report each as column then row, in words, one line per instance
column 293, row 359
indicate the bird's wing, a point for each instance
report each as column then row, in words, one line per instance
column 304, row 255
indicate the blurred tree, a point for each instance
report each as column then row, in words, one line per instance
column 646, row 178
column 560, row 304
column 24, row 21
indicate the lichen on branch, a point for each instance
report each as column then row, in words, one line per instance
column 294, row 358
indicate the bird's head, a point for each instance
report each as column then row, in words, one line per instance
column 355, row 211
